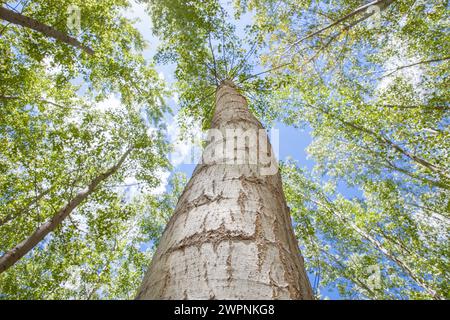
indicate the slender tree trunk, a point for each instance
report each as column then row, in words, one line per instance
column 380, row 4
column 14, row 255
column 230, row 236
column 49, row 31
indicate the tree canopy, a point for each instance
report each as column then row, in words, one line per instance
column 369, row 80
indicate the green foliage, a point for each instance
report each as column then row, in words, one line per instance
column 373, row 89
column 66, row 117
column 117, row 66
column 348, row 242
column 201, row 38
column 375, row 96
column 101, row 253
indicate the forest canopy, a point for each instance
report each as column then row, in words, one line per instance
column 89, row 97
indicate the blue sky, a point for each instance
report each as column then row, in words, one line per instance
column 292, row 141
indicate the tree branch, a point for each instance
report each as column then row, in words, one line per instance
column 20, row 250
column 24, row 21
column 382, row 4
column 414, row 64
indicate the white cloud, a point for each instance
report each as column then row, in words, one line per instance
column 151, row 132
column 112, row 102
column 139, row 11
column 133, row 188
column 163, row 177
column 52, row 68
column 392, row 65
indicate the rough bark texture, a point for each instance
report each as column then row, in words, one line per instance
column 230, row 236
column 24, row 21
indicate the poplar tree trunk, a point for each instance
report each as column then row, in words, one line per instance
column 24, row 21
column 230, row 236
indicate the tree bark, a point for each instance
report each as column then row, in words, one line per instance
column 230, row 236
column 15, row 254
column 49, row 31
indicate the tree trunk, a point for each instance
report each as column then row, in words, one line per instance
column 24, row 21
column 15, row 254
column 230, row 236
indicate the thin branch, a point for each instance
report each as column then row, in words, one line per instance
column 323, row 47
column 10, row 257
column 49, row 31
column 394, row 106
column 40, row 100
column 223, row 42
column 35, row 199
column 414, row 64
column 246, row 57
column 214, row 59
column 265, row 71
column 340, row 20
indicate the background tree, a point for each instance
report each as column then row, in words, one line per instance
column 67, row 117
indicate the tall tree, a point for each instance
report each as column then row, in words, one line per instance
column 340, row 68
column 66, row 118
column 11, row 257
column 230, row 236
